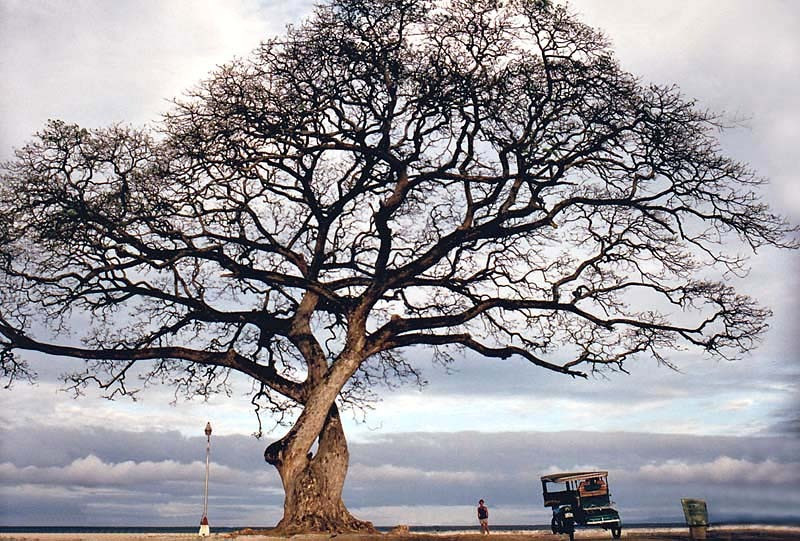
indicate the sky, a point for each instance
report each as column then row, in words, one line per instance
column 728, row 432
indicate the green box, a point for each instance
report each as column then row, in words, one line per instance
column 695, row 511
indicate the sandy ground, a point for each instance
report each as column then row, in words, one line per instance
column 726, row 533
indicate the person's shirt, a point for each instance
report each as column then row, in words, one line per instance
column 483, row 512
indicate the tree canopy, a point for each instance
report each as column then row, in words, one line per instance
column 390, row 176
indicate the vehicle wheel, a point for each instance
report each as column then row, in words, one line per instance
column 616, row 533
column 554, row 525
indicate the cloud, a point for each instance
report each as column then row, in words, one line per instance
column 706, row 397
column 741, row 58
column 788, row 423
column 156, row 477
column 723, row 470
column 360, row 473
column 65, row 445
column 738, row 404
column 91, row 471
column 649, row 472
column 95, row 491
column 45, row 404
column 96, row 62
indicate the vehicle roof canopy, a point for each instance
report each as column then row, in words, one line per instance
column 572, row 476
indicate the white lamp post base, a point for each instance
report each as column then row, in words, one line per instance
column 204, row 529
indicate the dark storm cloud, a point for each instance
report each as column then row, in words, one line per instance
column 787, row 420
column 514, row 451
column 788, row 425
column 23, row 506
column 518, row 458
column 112, row 477
column 95, row 476
column 55, row 446
column 156, row 478
column 649, row 473
column 756, row 387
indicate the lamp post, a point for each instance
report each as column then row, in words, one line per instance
column 204, row 528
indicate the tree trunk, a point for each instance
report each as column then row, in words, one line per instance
column 313, row 484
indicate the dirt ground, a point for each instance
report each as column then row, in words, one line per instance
column 751, row 533
column 722, row 534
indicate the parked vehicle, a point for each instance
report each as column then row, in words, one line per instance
column 580, row 499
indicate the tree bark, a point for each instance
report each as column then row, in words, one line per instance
column 313, row 483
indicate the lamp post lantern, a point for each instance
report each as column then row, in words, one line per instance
column 204, row 528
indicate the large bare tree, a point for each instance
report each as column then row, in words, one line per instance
column 389, row 177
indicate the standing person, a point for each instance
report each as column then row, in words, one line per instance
column 483, row 517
